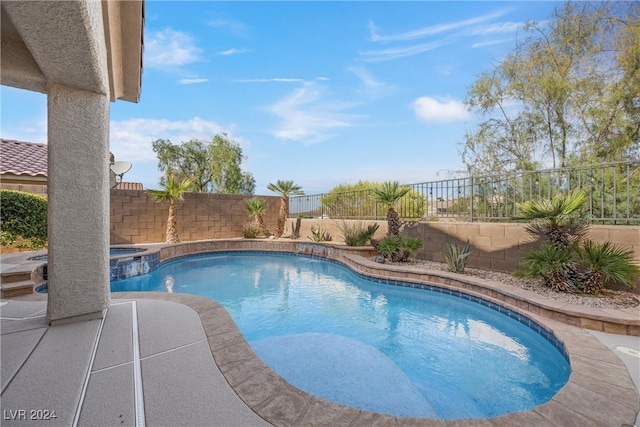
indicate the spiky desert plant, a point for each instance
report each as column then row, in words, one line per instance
column 354, row 233
column 555, row 220
column 319, row 234
column 285, row 189
column 398, row 248
column 456, row 256
column 388, row 194
column 251, row 231
column 256, row 208
column 173, row 191
column 605, row 261
column 554, row 264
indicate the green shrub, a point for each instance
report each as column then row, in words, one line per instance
column 319, row 235
column 398, row 248
column 23, row 215
column 354, row 233
column 251, row 231
column 456, row 256
column 605, row 261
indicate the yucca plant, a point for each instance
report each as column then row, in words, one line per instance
column 256, row 208
column 456, row 256
column 388, row 194
column 554, row 264
column 605, row 261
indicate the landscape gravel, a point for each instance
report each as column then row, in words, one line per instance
column 608, row 298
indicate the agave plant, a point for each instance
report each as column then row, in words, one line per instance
column 605, row 261
column 456, row 256
column 388, row 194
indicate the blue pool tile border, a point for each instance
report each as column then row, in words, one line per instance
column 523, row 319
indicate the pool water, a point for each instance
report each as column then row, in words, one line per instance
column 390, row 349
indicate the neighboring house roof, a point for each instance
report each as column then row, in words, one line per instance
column 129, row 186
column 23, row 158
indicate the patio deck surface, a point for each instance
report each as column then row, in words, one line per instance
column 179, row 360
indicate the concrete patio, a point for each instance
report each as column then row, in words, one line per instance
column 179, row 360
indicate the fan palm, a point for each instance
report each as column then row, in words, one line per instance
column 285, row 189
column 388, row 194
column 605, row 261
column 554, row 219
column 256, row 208
column 173, row 191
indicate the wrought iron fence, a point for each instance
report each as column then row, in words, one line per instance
column 612, row 189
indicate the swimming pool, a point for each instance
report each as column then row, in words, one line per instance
column 389, row 349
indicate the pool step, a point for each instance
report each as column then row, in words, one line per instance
column 23, row 287
column 22, row 280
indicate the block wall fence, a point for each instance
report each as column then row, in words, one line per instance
column 137, row 218
column 495, row 246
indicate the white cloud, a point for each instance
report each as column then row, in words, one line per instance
column 192, row 81
column 233, row 51
column 433, row 110
column 169, row 48
column 489, row 43
column 432, row 29
column 498, row 28
column 231, row 26
column 307, row 116
column 276, row 79
column 372, row 86
column 131, row 139
column 28, row 129
column 395, row 53
column 366, row 77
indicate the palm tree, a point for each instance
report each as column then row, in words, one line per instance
column 256, row 208
column 388, row 194
column 605, row 261
column 285, row 189
column 173, row 190
column 553, row 219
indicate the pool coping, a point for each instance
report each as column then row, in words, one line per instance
column 599, row 390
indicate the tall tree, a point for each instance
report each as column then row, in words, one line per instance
column 563, row 96
column 285, row 189
column 214, row 166
column 354, row 201
column 173, row 191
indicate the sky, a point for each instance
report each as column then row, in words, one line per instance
column 320, row 93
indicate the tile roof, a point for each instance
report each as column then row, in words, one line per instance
column 23, row 158
column 129, row 186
